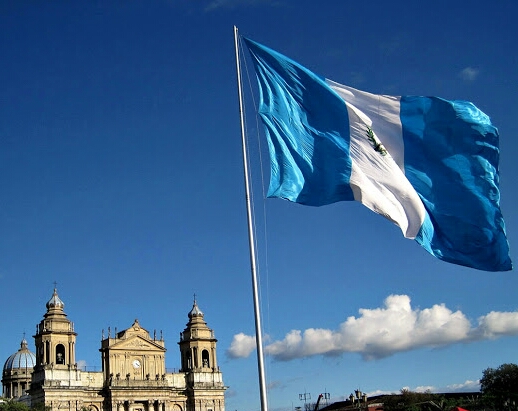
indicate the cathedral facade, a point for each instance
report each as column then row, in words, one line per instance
column 133, row 376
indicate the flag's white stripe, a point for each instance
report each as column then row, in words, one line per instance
column 383, row 111
column 447, row 151
column 377, row 180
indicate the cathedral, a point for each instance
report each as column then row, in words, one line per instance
column 133, row 376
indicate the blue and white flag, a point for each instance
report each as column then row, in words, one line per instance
column 425, row 163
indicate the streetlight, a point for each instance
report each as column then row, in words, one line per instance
column 359, row 399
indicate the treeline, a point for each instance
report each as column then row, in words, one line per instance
column 426, row 401
column 11, row 405
column 498, row 392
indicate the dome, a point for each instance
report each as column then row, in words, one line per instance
column 23, row 358
column 55, row 301
column 195, row 310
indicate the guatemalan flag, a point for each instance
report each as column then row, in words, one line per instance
column 425, row 163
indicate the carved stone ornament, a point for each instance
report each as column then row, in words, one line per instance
column 138, row 344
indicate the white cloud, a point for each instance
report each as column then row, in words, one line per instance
column 496, row 324
column 380, row 392
column 384, row 331
column 469, row 73
column 424, row 388
column 242, row 346
column 468, row 385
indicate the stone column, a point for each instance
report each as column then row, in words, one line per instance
column 214, row 364
column 70, row 353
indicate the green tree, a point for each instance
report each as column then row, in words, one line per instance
column 39, row 406
column 412, row 401
column 500, row 386
column 11, row 405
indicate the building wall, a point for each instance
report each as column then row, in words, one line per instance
column 133, row 376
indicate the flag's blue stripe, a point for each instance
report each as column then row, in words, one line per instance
column 451, row 159
column 307, row 125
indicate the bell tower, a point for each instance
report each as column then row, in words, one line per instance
column 204, row 381
column 55, row 338
column 197, row 344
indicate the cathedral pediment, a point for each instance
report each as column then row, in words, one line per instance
column 135, row 329
column 134, row 338
column 137, row 342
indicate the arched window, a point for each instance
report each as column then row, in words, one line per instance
column 205, row 358
column 60, row 354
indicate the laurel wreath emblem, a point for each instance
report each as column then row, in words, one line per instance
column 375, row 143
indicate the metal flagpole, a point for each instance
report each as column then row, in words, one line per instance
column 258, row 330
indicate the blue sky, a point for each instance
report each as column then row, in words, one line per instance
column 121, row 179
